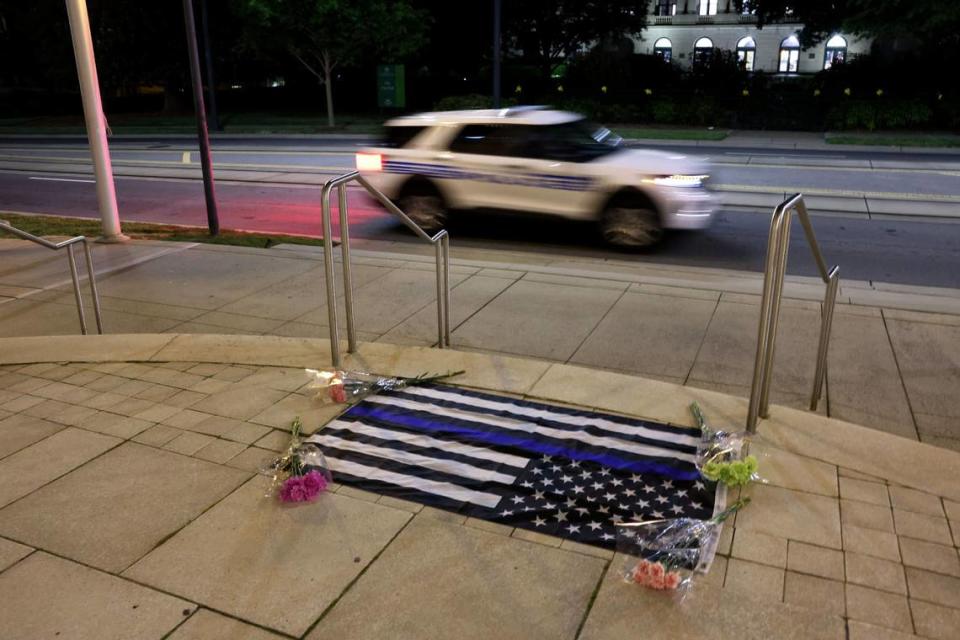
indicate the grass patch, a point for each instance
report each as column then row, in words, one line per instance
column 152, row 123
column 655, row 133
column 58, row 226
column 906, row 140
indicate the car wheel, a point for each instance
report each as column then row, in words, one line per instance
column 631, row 227
column 428, row 211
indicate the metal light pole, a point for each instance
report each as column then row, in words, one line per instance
column 95, row 121
column 496, row 54
column 213, row 222
column 208, row 67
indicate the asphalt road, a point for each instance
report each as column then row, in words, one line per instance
column 273, row 185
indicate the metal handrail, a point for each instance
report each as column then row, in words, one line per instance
column 72, row 260
column 774, row 271
column 440, row 240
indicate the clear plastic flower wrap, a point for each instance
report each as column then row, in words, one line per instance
column 724, row 456
column 336, row 386
column 301, row 473
column 665, row 554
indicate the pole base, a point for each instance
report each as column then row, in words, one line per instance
column 114, row 239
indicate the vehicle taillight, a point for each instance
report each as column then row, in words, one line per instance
column 369, row 162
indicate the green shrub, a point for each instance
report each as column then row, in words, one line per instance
column 471, row 101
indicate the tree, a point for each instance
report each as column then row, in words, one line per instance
column 550, row 31
column 323, row 35
column 934, row 23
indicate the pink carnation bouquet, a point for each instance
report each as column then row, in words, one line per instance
column 301, row 473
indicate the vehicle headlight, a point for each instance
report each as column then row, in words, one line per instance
column 678, row 180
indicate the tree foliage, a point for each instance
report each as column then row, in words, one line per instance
column 549, row 31
column 323, row 35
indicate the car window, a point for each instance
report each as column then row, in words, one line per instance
column 578, row 141
column 398, row 137
column 490, row 140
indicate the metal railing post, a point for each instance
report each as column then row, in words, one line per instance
column 74, row 272
column 329, row 275
column 775, row 269
column 347, row 273
column 445, row 243
column 71, row 258
column 441, row 333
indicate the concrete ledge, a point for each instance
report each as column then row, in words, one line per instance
column 909, row 463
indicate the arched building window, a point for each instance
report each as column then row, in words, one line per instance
column 746, row 50
column 789, row 55
column 663, row 48
column 702, row 51
column 836, row 52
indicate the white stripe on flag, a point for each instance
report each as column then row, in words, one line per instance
column 421, row 440
column 451, row 467
column 517, row 425
column 529, row 412
column 445, row 489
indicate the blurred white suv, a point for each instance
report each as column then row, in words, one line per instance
column 535, row 160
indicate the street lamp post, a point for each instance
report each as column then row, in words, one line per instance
column 496, row 54
column 95, row 121
column 213, row 221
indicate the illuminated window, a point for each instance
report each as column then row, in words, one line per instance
column 789, row 55
column 702, row 51
column 708, row 7
column 835, row 53
column 663, row 48
column 746, row 50
column 665, row 8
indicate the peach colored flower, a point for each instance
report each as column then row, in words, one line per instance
column 656, row 582
column 657, row 570
column 672, row 580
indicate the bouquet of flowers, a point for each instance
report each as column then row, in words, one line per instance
column 301, row 473
column 335, row 386
column 665, row 554
column 722, row 456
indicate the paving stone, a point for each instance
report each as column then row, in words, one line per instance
column 464, row 588
column 396, row 503
column 20, row 431
column 863, row 631
column 157, row 413
column 871, row 542
column 818, row 561
column 114, row 424
column 234, row 373
column 209, row 386
column 934, row 587
column 868, row 516
column 279, row 378
column 106, row 382
column 157, row 435
column 187, row 419
column 241, row 403
column 83, row 378
column 20, row 403
column 952, row 508
column 755, row 581
column 708, row 613
column 46, row 409
column 252, row 459
column 311, row 411
column 918, row 501
column 74, row 415
column 104, row 400
column 359, row 494
column 131, row 406
column 934, row 621
column 923, row 527
column 875, row 573
column 791, row 471
column 247, row 433
column 276, row 440
column 157, row 393
column 725, row 544
column 205, row 423
column 878, row 607
column 857, row 475
column 206, row 368
column 872, row 492
column 116, row 508
column 185, row 398
column 46, row 597
column 933, row 557
column 760, row 547
column 38, row 464
column 220, row 451
column 576, row 547
column 538, row 538
column 267, row 550
column 784, row 513
column 207, row 625
column 132, row 387
column 188, row 443
column 12, row 552
column 814, row 593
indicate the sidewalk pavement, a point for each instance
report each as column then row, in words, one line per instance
column 893, row 357
column 130, row 508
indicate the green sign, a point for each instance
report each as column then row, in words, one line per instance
column 390, row 86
